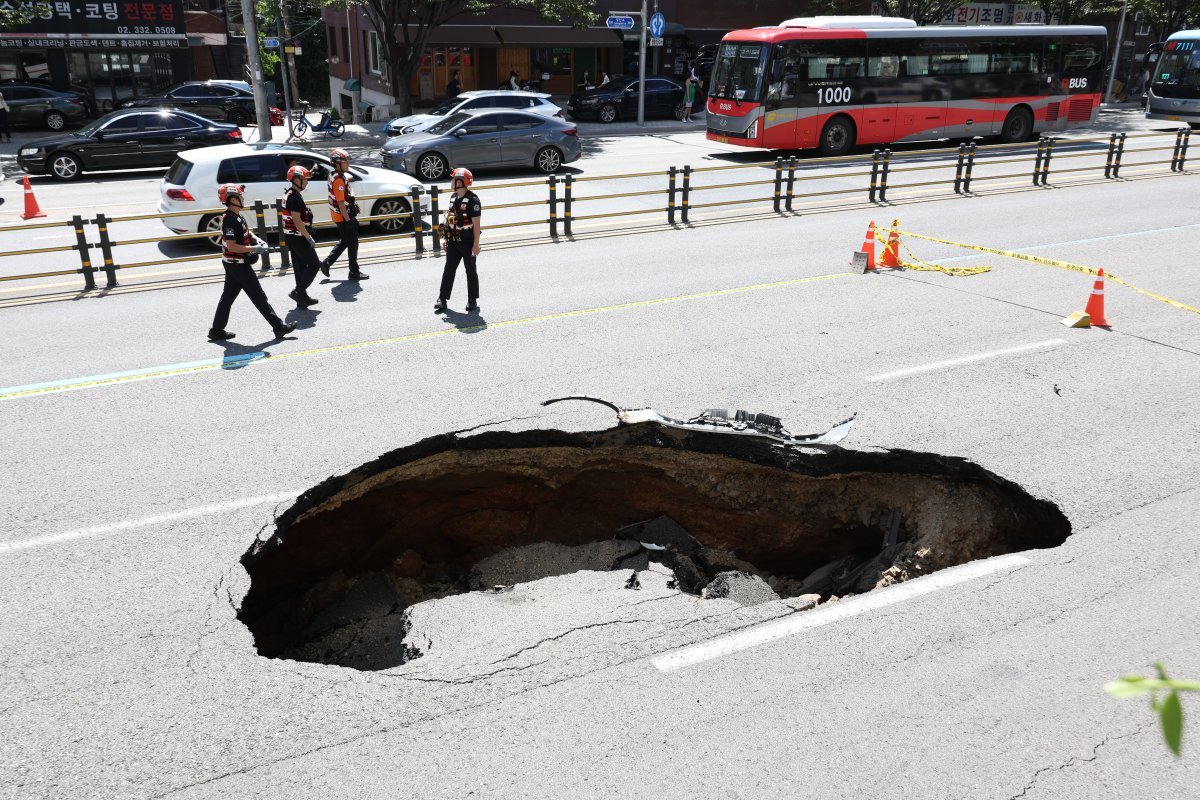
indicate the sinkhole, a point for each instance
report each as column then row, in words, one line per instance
column 730, row 516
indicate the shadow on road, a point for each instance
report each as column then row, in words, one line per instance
column 466, row 322
column 344, row 290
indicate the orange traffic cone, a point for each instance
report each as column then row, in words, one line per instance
column 868, row 245
column 1095, row 304
column 31, row 206
column 891, row 253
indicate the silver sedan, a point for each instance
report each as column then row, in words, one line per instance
column 484, row 139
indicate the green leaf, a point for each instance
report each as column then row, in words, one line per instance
column 1132, row 686
column 1171, row 713
column 1162, row 673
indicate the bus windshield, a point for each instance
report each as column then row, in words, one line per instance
column 737, row 74
column 1177, row 73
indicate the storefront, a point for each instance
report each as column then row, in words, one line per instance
column 107, row 51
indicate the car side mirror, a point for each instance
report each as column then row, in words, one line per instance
column 99, row 136
column 458, row 134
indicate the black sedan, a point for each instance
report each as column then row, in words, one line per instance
column 214, row 100
column 619, row 100
column 124, row 140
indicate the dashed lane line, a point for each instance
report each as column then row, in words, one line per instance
column 246, row 359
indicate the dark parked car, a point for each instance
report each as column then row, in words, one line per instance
column 212, row 99
column 42, row 107
column 619, row 100
column 128, row 139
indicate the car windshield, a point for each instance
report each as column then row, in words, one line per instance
column 449, row 122
column 445, row 108
column 737, row 73
column 96, row 124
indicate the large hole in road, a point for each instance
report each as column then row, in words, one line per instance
column 731, row 517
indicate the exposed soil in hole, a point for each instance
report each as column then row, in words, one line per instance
column 731, row 517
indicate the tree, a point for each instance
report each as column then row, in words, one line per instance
column 1165, row 16
column 924, row 11
column 404, row 27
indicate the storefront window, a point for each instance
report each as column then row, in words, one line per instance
column 554, row 60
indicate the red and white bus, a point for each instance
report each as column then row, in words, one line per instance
column 833, row 82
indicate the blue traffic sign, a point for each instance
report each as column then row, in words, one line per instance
column 658, row 24
column 270, row 43
column 621, row 23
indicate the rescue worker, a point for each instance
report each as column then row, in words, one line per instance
column 344, row 211
column 239, row 252
column 461, row 231
column 297, row 217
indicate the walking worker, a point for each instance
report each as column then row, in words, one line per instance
column 461, row 230
column 344, row 211
column 297, row 218
column 239, row 252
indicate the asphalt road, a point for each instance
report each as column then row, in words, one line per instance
column 131, row 497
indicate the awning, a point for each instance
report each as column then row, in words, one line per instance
column 547, row 36
column 352, row 85
column 464, row 35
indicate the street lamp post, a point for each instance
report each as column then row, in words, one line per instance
column 1116, row 59
column 262, row 115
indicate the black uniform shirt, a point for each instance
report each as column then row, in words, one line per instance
column 235, row 228
column 461, row 210
column 294, row 201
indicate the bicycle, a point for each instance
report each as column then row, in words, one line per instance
column 326, row 125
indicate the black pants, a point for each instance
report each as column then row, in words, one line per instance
column 457, row 251
column 347, row 241
column 305, row 263
column 4, row 131
column 240, row 277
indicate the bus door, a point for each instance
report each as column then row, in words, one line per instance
column 836, row 78
column 781, row 111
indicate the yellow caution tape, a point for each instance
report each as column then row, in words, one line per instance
column 1050, row 262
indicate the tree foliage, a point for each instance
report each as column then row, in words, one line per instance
column 404, row 27
column 925, row 11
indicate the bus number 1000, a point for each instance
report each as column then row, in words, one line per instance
column 836, row 94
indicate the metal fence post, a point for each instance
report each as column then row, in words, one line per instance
column 969, row 168
column 1046, row 160
column 671, row 195
column 791, row 182
column 568, row 182
column 1037, row 162
column 552, row 182
column 883, row 175
column 285, row 257
column 418, row 224
column 260, row 228
column 1175, row 152
column 687, row 191
column 958, row 170
column 1120, row 152
column 874, row 176
column 110, row 269
column 1187, row 135
column 81, row 244
column 1112, row 149
column 435, row 225
column 778, row 184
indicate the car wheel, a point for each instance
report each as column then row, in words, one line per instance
column 548, row 160
column 678, row 113
column 607, row 113
column 65, row 166
column 239, row 116
column 432, row 167
column 211, row 224
column 55, row 121
column 837, row 137
column 1018, row 126
column 391, row 225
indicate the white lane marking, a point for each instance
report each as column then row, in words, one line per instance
column 955, row 362
column 85, row 533
column 803, row 620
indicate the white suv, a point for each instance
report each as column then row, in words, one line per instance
column 191, row 184
column 488, row 99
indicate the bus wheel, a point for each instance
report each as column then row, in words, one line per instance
column 837, row 137
column 1018, row 126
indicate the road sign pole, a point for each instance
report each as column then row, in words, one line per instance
column 641, row 70
column 262, row 115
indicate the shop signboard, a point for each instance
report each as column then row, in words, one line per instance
column 82, row 23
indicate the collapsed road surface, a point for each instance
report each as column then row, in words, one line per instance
column 337, row 579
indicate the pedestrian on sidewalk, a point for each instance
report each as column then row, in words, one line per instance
column 239, row 252
column 343, row 209
column 298, row 237
column 4, row 130
column 454, row 87
column 461, row 230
